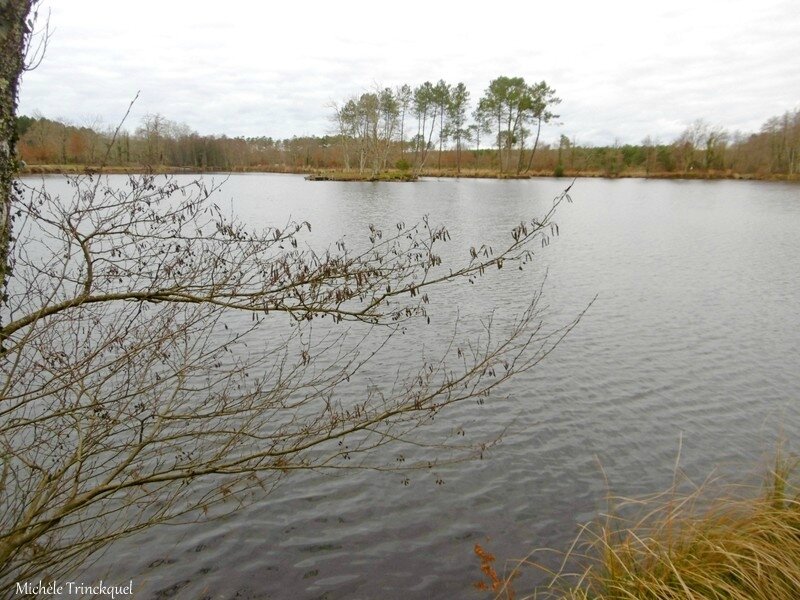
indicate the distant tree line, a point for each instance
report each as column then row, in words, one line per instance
column 428, row 129
column 157, row 142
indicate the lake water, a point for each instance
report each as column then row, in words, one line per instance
column 692, row 341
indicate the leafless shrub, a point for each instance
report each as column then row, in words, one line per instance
column 134, row 392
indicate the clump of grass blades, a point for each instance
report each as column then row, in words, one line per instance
column 741, row 544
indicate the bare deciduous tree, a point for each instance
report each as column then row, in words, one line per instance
column 133, row 391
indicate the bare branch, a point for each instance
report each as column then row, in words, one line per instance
column 144, row 351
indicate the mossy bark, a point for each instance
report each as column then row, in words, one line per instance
column 15, row 28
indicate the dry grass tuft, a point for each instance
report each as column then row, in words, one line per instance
column 743, row 544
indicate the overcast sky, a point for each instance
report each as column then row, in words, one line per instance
column 624, row 70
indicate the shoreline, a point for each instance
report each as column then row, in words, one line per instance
column 394, row 176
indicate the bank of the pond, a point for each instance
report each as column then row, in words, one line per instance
column 397, row 175
column 138, row 169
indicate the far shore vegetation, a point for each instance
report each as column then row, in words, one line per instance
column 401, row 134
column 391, row 175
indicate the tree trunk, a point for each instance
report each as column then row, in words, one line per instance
column 15, row 28
column 499, row 142
column 441, row 130
column 458, row 155
column 536, row 145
